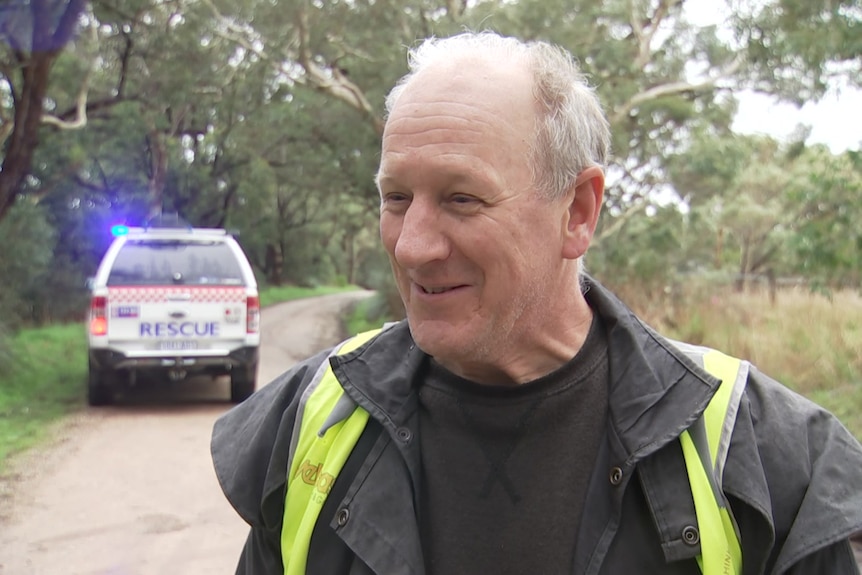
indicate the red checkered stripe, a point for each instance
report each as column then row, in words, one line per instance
column 130, row 295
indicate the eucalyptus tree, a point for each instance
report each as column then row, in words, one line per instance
column 348, row 51
column 308, row 197
column 765, row 208
column 664, row 79
column 32, row 35
column 661, row 77
column 127, row 104
column 823, row 200
column 266, row 115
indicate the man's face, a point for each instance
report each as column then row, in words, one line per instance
column 475, row 253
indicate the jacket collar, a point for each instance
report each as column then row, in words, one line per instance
column 655, row 391
column 382, row 375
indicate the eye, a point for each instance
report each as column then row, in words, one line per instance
column 465, row 204
column 395, row 200
column 395, row 197
column 463, row 199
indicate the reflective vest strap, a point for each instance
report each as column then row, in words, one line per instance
column 705, row 448
column 317, row 461
column 719, row 548
column 720, row 414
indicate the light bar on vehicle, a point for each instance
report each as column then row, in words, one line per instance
column 122, row 230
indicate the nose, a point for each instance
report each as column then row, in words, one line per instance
column 422, row 238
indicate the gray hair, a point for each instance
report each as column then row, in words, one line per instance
column 572, row 131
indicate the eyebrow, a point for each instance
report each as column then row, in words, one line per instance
column 447, row 179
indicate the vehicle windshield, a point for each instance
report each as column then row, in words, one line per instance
column 175, row 262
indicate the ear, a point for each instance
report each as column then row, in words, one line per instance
column 584, row 205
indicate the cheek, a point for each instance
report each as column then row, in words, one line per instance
column 388, row 234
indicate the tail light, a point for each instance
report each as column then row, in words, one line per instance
column 252, row 314
column 98, row 315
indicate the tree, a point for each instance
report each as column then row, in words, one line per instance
column 823, row 199
column 774, row 209
column 34, row 33
column 270, row 121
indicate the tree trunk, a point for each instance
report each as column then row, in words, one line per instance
column 48, row 37
column 773, row 286
column 274, row 265
column 719, row 248
column 351, row 259
column 24, row 138
column 743, row 266
column 158, row 172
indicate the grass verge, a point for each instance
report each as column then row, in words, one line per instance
column 809, row 342
column 44, row 382
column 366, row 314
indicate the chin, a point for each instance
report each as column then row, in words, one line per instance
column 438, row 339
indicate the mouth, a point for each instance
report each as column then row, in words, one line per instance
column 437, row 290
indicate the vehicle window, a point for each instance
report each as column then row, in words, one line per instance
column 175, row 262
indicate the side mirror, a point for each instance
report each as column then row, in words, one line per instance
column 89, row 283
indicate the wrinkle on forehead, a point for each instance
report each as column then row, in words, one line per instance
column 477, row 84
column 465, row 105
column 460, row 117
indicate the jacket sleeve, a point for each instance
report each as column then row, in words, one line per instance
column 261, row 554
column 249, row 450
column 813, row 467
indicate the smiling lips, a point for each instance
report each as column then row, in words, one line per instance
column 436, row 290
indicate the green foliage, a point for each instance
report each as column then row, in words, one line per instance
column 270, row 121
column 810, row 37
column 660, row 250
column 709, row 166
column 367, row 314
column 827, row 243
column 787, row 210
column 25, row 261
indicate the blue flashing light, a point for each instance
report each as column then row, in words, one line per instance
column 119, row 230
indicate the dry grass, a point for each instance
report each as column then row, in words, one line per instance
column 811, row 343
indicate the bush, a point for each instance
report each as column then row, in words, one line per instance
column 25, row 261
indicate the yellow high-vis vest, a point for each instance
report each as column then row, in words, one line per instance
column 329, row 424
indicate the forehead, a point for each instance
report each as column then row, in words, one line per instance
column 479, row 109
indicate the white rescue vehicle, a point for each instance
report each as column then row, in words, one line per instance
column 172, row 301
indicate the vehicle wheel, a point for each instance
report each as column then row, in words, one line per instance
column 243, row 380
column 99, row 391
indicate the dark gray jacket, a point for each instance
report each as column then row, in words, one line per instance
column 793, row 475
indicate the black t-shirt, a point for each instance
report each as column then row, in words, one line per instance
column 505, row 469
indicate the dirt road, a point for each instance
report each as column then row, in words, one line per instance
column 129, row 490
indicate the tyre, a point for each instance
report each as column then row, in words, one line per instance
column 99, row 390
column 243, row 380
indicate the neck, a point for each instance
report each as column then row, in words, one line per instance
column 534, row 353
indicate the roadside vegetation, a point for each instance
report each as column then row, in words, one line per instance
column 43, row 378
column 43, row 373
column 811, row 342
